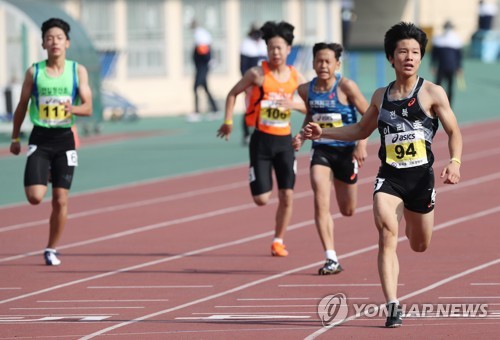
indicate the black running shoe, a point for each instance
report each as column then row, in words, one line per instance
column 394, row 316
column 331, row 267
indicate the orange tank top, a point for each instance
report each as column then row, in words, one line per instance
column 270, row 117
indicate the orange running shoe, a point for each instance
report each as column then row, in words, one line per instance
column 278, row 249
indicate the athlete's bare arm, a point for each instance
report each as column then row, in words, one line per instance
column 21, row 109
column 356, row 98
column 302, row 91
column 436, row 102
column 254, row 76
column 85, row 94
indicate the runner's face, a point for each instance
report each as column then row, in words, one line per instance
column 406, row 59
column 277, row 51
column 55, row 42
column 325, row 64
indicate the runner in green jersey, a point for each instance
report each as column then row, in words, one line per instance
column 59, row 90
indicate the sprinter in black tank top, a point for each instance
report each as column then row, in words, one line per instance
column 406, row 113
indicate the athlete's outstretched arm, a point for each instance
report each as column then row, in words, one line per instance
column 20, row 112
column 441, row 107
column 249, row 79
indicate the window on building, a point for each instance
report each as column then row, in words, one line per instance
column 146, row 38
column 98, row 19
column 258, row 12
column 210, row 15
column 309, row 21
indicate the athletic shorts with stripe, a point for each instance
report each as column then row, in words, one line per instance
column 338, row 159
column 414, row 186
column 51, row 149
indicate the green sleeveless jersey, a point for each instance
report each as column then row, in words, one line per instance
column 49, row 94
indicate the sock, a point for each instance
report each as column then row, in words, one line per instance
column 279, row 240
column 50, row 250
column 332, row 255
column 394, row 301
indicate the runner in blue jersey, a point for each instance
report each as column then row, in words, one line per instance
column 332, row 101
column 406, row 113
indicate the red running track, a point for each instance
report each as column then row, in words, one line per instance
column 189, row 257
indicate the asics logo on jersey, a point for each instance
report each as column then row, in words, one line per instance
column 403, row 137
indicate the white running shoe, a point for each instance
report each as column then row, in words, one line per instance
column 51, row 258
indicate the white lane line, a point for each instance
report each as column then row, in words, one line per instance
column 155, row 226
column 10, row 288
column 485, row 284
column 296, row 299
column 194, row 193
column 92, row 301
column 374, row 143
column 470, row 297
column 297, row 196
column 267, row 312
column 147, row 287
column 233, row 243
column 71, row 308
column 278, row 276
column 136, row 204
column 241, row 317
column 335, row 285
column 412, row 294
column 266, row 306
column 74, row 315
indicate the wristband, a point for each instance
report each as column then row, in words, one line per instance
column 228, row 122
column 456, row 160
column 15, row 140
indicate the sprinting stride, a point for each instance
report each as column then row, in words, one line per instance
column 407, row 114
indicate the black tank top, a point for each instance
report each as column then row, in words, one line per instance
column 406, row 131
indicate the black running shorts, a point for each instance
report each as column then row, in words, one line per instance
column 414, row 186
column 268, row 152
column 51, row 149
column 339, row 160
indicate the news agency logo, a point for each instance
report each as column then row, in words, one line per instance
column 333, row 310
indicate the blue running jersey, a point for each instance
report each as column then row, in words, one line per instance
column 327, row 111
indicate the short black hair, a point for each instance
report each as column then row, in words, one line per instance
column 337, row 48
column 401, row 31
column 273, row 29
column 56, row 22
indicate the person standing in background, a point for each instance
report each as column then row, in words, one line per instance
column 446, row 58
column 253, row 50
column 202, row 55
column 487, row 12
column 348, row 17
column 57, row 90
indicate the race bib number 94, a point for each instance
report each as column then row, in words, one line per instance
column 406, row 149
